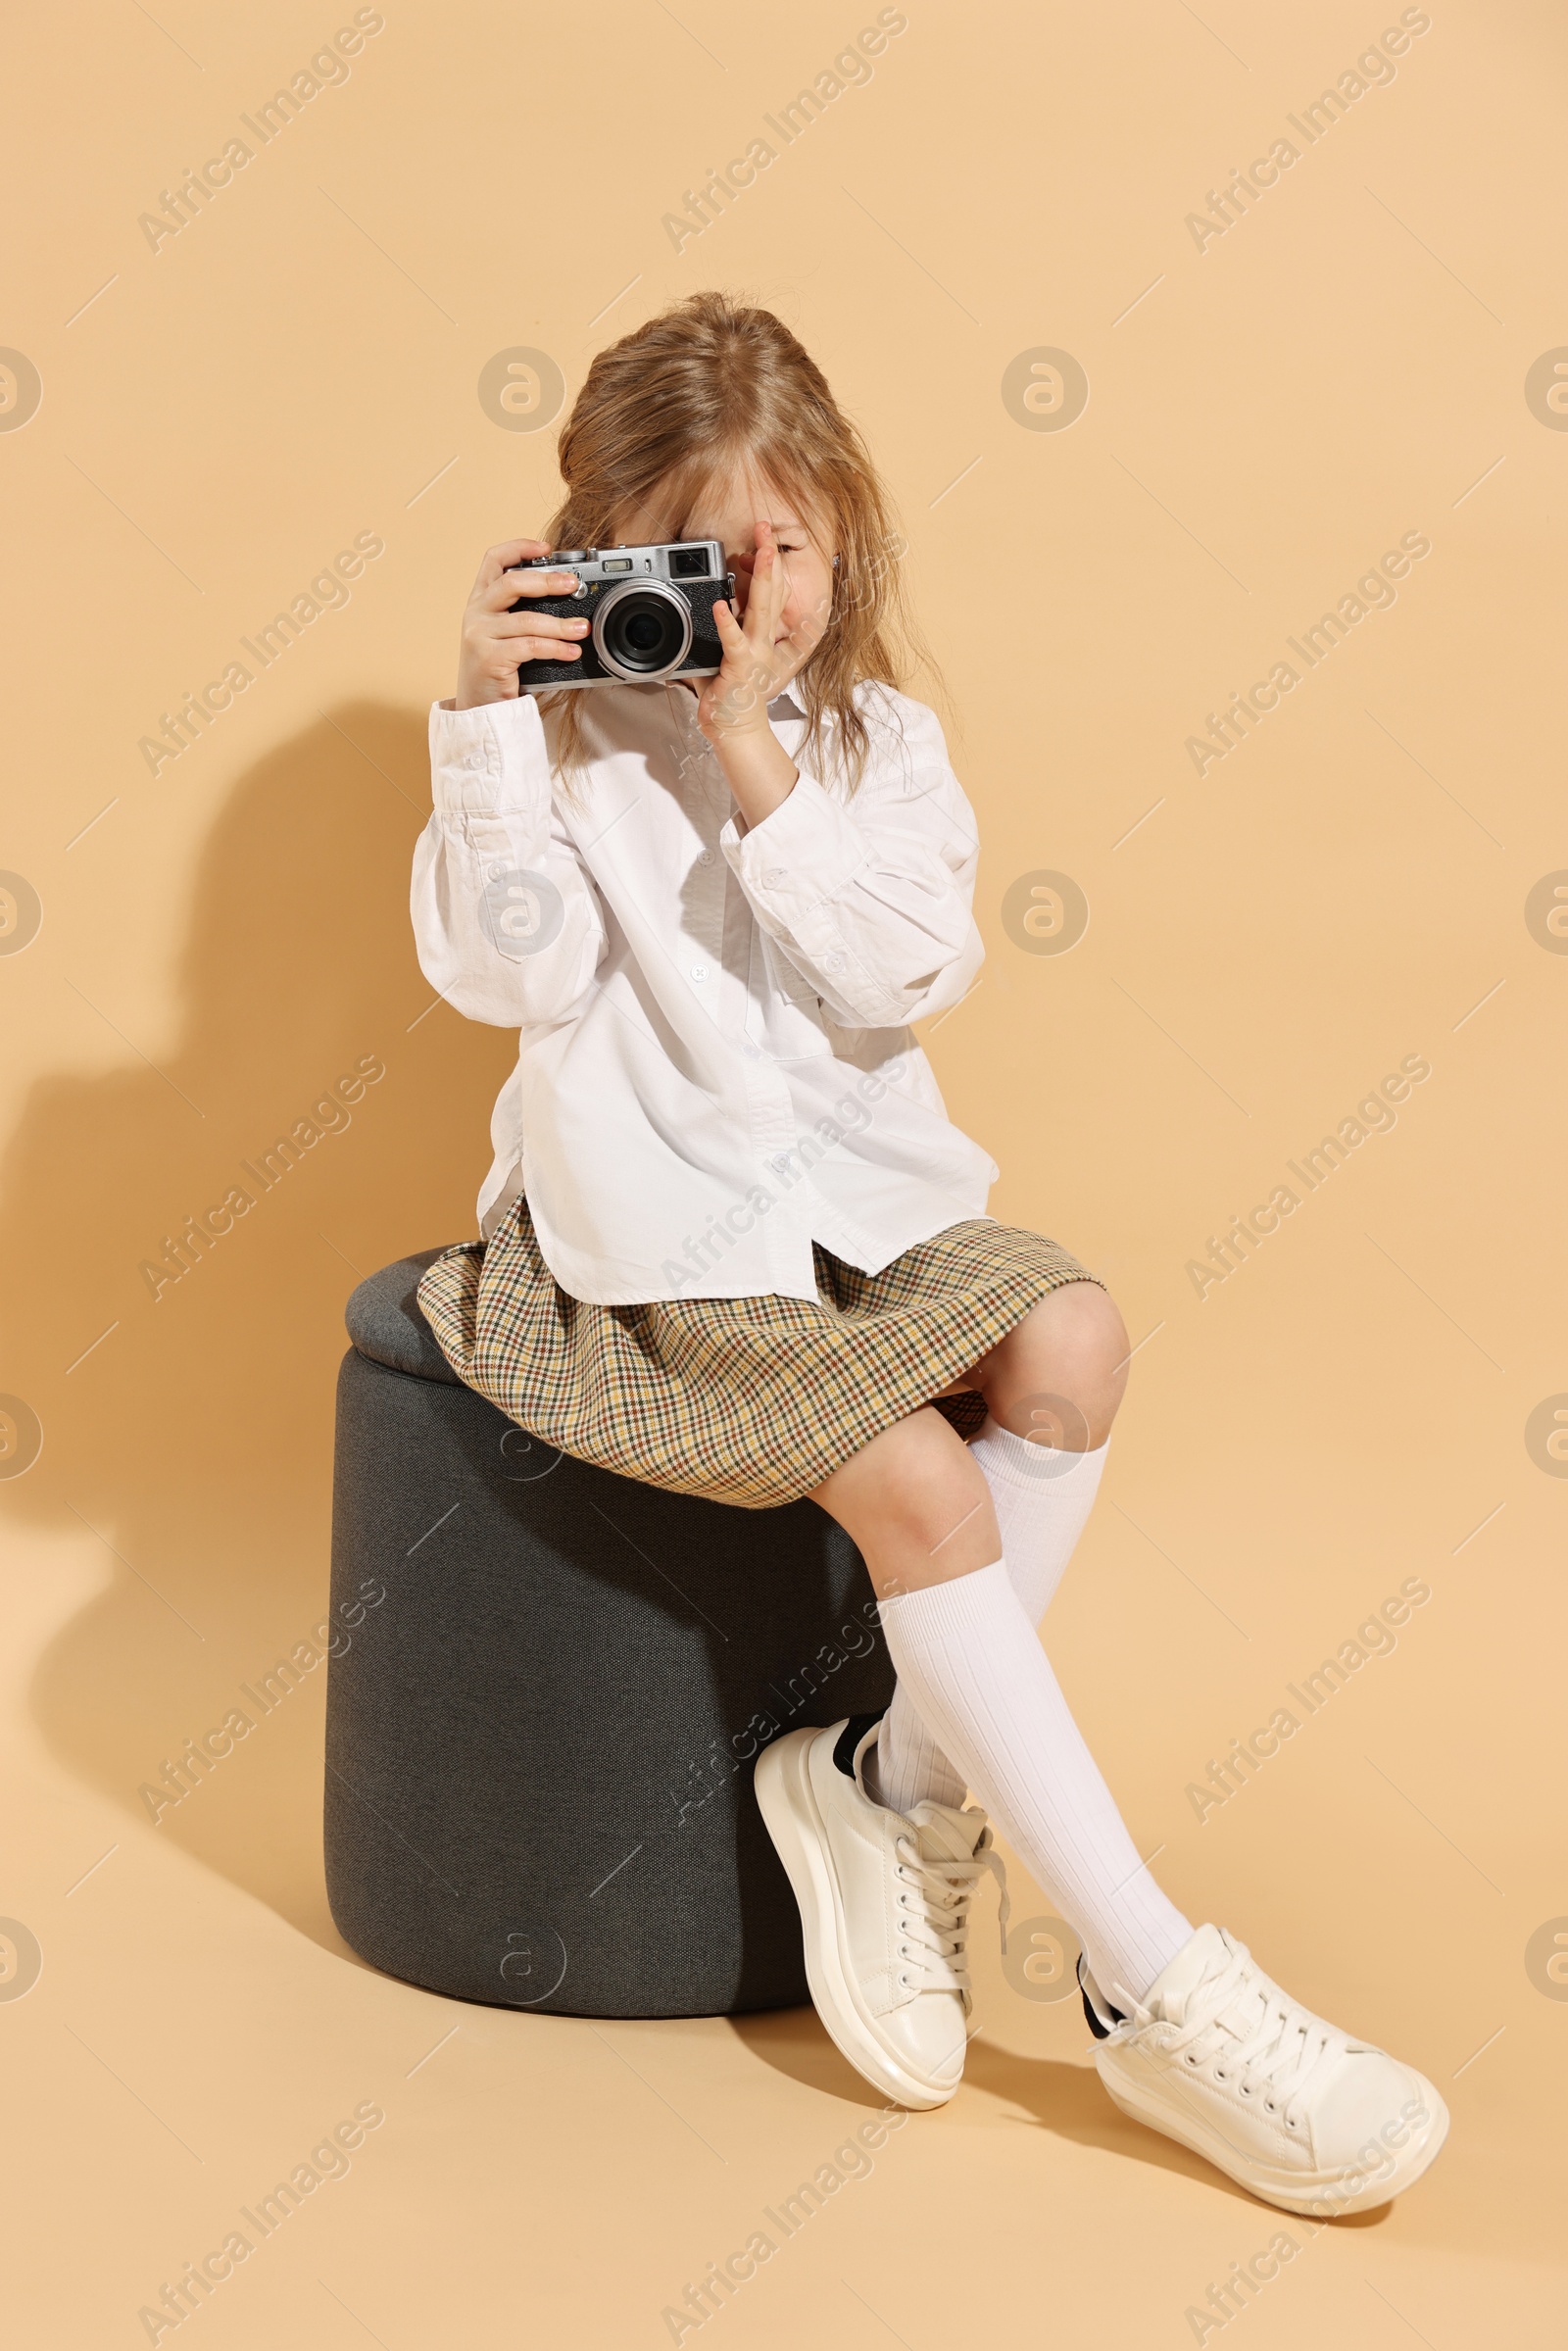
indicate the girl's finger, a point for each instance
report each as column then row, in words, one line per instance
column 778, row 578
column 752, row 568
column 535, row 624
column 762, row 606
column 781, row 588
column 508, row 585
column 740, row 671
column 510, row 551
column 542, row 649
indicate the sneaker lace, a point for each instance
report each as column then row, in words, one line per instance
column 1269, row 2040
column 934, row 1928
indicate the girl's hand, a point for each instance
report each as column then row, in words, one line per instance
column 732, row 707
column 495, row 640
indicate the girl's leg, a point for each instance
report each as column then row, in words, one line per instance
column 1194, row 2039
column 920, row 1507
column 1053, row 1384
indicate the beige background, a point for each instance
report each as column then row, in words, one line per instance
column 218, row 417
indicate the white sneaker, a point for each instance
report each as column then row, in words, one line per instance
column 1218, row 2058
column 884, row 1904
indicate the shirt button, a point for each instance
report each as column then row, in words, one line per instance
column 699, row 971
column 774, row 875
column 706, row 857
column 833, row 962
column 471, row 758
column 497, row 872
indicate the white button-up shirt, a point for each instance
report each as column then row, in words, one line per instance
column 716, row 1067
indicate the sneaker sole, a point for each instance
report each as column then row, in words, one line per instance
column 1308, row 2193
column 794, row 1821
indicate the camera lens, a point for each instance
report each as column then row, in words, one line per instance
column 642, row 632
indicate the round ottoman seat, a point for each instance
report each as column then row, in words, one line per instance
column 547, row 1688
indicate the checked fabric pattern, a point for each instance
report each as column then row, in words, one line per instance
column 751, row 1400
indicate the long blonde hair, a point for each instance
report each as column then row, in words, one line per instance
column 710, row 384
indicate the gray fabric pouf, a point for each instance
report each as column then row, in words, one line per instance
column 548, row 1689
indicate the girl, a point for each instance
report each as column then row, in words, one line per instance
column 733, row 1245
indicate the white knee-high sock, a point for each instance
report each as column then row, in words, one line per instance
column 1042, row 1498
column 967, row 1655
column 906, row 1765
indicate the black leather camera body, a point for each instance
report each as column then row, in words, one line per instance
column 650, row 612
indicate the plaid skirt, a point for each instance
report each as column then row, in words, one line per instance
column 751, row 1400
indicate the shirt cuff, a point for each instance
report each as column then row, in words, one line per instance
column 489, row 760
column 807, row 851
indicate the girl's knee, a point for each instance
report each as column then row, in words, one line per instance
column 1061, row 1372
column 1077, row 1325
column 938, row 1516
column 1088, row 1320
column 926, row 1466
column 917, row 1482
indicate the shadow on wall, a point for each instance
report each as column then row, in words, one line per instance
column 190, row 1450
